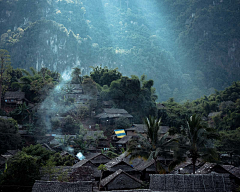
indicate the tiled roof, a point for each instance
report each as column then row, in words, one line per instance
column 210, row 167
column 106, row 115
column 87, row 162
column 84, row 173
column 124, row 140
column 54, row 186
column 82, row 163
column 111, row 177
column 94, row 155
column 115, row 162
column 14, row 95
column 206, row 168
column 140, row 128
column 186, row 164
column 233, row 170
column 144, row 165
column 190, row 182
column 126, row 158
column 114, row 111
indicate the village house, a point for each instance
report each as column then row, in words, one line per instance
column 98, row 158
column 117, row 164
column 87, row 162
column 234, row 172
column 148, row 167
column 13, row 99
column 108, row 116
column 190, row 182
column 136, row 129
column 142, row 129
column 75, row 91
column 123, row 142
column 120, row 180
column 117, row 135
column 186, row 167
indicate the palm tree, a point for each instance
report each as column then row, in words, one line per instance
column 199, row 140
column 152, row 146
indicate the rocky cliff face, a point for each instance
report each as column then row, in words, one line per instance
column 47, row 44
column 184, row 59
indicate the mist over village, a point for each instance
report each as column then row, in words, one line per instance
column 119, row 95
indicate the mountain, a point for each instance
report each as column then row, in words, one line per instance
column 188, row 47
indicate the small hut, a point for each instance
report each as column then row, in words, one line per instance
column 120, row 180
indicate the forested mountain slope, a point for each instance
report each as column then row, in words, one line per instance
column 188, row 47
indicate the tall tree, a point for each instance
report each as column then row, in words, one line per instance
column 152, row 146
column 5, row 62
column 76, row 76
column 9, row 137
column 22, row 170
column 200, row 140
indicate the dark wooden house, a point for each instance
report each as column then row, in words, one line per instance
column 123, row 143
column 117, row 164
column 87, row 162
column 136, row 129
column 120, row 180
column 234, row 172
column 109, row 115
column 148, row 167
column 98, row 159
column 14, row 98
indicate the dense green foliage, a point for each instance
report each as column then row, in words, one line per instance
column 152, row 146
column 132, row 94
column 200, row 140
column 22, row 169
column 9, row 137
column 182, row 45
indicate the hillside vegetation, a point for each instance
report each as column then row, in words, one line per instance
column 184, row 46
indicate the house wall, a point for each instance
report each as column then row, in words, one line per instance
column 122, row 181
